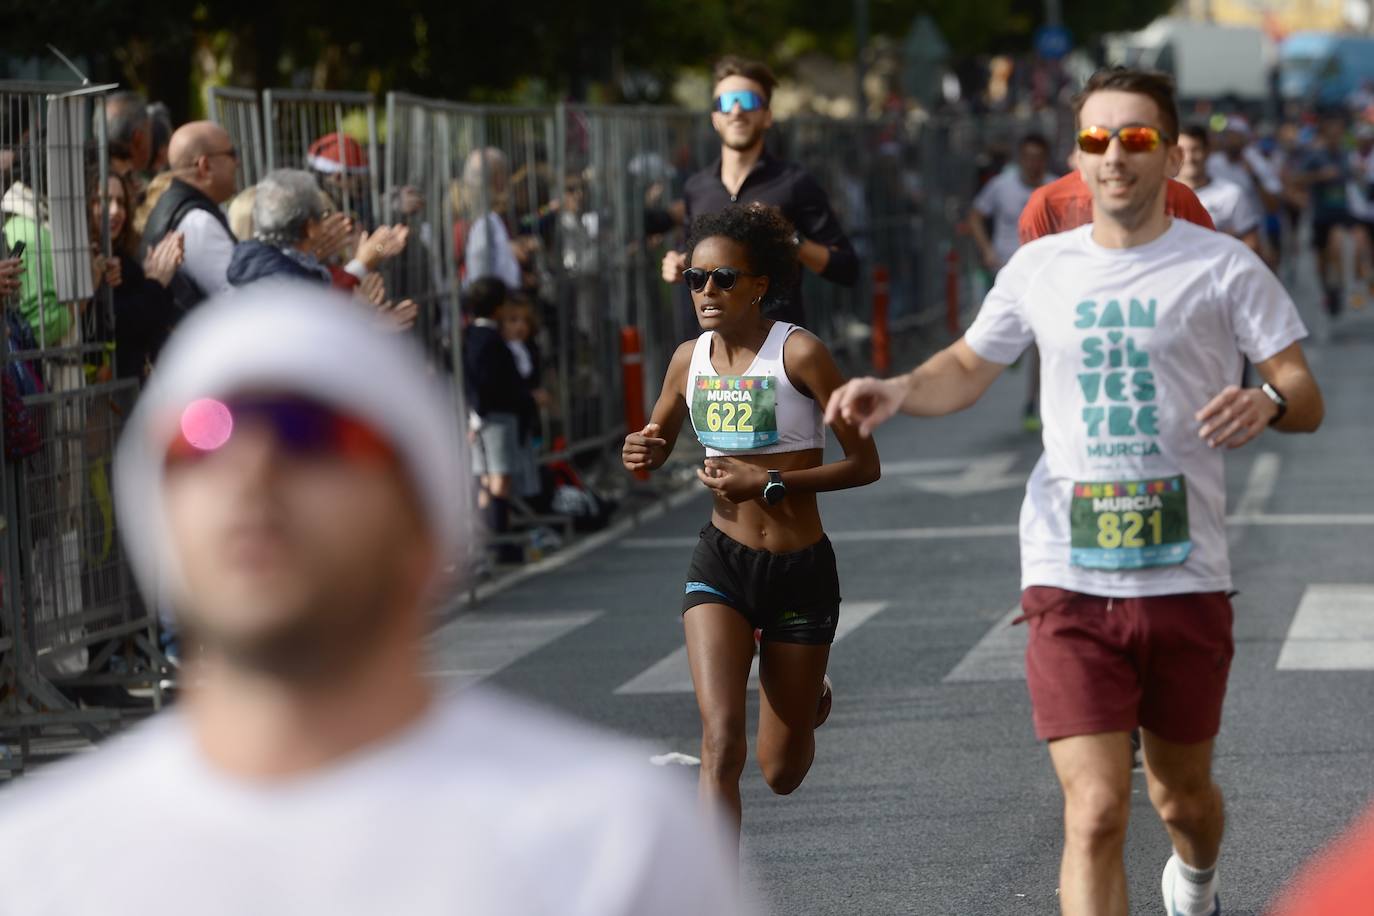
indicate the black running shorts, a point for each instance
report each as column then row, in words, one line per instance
column 792, row 597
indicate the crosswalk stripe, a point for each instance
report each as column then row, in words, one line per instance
column 479, row 644
column 943, row 532
column 999, row 656
column 1333, row 630
column 673, row 673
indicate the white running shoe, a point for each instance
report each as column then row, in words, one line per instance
column 1166, row 886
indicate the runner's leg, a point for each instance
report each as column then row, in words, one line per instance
column 1188, row 801
column 720, row 649
column 790, row 682
column 1095, row 774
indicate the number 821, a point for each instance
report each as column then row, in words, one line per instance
column 1124, row 529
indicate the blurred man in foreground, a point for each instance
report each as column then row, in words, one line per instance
column 291, row 481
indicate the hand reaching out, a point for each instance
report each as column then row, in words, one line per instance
column 865, row 403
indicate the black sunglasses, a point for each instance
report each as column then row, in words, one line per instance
column 724, row 278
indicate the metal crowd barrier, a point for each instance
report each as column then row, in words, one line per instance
column 68, row 618
column 589, row 197
column 333, row 134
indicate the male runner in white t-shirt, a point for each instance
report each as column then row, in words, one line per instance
column 1142, row 322
column 1232, row 209
column 1000, row 203
column 291, row 479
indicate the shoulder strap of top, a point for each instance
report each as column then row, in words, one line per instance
column 701, row 356
column 771, row 351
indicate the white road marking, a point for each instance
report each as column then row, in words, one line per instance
column 1259, row 485
column 1333, row 630
column 479, row 644
column 673, row 673
column 978, row 475
column 1300, row 520
column 940, row 532
column 999, row 656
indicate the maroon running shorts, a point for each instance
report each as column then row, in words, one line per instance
column 1097, row 664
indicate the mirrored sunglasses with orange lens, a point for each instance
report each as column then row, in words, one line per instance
column 1141, row 139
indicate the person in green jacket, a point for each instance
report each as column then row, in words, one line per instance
column 51, row 321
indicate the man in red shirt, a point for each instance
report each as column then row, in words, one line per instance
column 1067, row 204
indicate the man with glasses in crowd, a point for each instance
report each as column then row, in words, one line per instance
column 747, row 173
column 1142, row 322
column 205, row 164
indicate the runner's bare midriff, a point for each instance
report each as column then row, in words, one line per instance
column 793, row 524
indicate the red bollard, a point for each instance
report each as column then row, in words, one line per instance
column 952, row 291
column 882, row 354
column 632, row 381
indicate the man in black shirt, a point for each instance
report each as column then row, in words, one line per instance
column 746, row 173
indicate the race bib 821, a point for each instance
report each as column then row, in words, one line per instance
column 1129, row 524
column 733, row 412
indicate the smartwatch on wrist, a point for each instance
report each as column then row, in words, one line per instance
column 1278, row 399
column 775, row 490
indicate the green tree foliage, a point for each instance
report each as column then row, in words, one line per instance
column 485, row 49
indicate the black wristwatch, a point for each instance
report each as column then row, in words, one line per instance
column 1278, row 399
column 775, row 491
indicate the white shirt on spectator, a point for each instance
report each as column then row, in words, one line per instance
column 489, row 253
column 485, row 806
column 1232, row 210
column 1002, row 200
column 209, row 249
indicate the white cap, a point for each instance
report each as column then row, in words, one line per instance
column 299, row 339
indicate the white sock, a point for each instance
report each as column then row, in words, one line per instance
column 1195, row 889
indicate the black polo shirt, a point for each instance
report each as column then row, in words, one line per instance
column 792, row 190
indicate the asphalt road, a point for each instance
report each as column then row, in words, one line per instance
column 930, row 794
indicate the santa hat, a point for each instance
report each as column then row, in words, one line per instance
column 337, row 153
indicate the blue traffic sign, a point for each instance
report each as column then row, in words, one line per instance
column 1053, row 41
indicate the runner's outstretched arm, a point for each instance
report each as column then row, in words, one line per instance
column 951, row 380
column 648, row 448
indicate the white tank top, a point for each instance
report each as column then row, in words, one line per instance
column 758, row 413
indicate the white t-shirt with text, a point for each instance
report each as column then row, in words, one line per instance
column 486, row 806
column 1127, row 500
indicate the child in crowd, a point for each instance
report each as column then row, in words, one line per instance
column 500, row 406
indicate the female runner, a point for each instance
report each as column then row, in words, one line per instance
column 754, row 390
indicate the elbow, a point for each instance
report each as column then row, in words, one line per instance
column 1314, row 417
column 872, row 471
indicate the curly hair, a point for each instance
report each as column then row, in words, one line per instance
column 767, row 237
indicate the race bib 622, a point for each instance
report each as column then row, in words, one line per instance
column 733, row 412
column 1129, row 524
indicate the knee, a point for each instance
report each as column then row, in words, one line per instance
column 1096, row 816
column 785, row 771
column 1187, row 809
column 724, row 749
